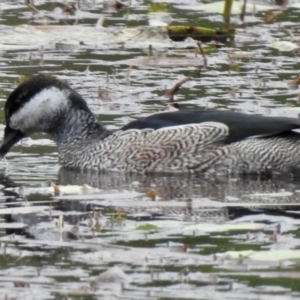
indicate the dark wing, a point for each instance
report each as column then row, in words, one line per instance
column 241, row 126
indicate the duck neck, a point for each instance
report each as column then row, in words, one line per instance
column 75, row 126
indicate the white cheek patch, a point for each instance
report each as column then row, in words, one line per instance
column 41, row 107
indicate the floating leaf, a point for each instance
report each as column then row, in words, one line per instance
column 147, row 227
column 58, row 190
column 296, row 80
column 21, row 284
column 81, row 291
column 211, row 227
column 271, row 255
column 284, row 46
column 271, row 16
column 21, row 79
column 114, row 274
column 151, row 194
column 157, row 7
column 181, row 32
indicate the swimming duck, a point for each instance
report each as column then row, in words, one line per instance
column 181, row 141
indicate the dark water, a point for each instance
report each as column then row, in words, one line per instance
column 159, row 237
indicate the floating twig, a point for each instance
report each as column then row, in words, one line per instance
column 150, row 53
column 243, row 12
column 171, row 92
column 203, row 54
column 32, row 8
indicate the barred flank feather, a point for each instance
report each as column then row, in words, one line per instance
column 168, row 149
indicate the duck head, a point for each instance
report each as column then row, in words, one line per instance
column 39, row 104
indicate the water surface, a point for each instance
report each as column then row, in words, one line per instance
column 158, row 237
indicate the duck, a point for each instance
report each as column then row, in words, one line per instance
column 182, row 141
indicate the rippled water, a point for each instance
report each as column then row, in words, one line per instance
column 146, row 237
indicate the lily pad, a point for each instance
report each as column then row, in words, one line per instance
column 272, row 255
column 284, row 46
column 147, row 227
column 211, row 227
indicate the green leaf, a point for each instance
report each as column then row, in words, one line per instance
column 147, row 227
